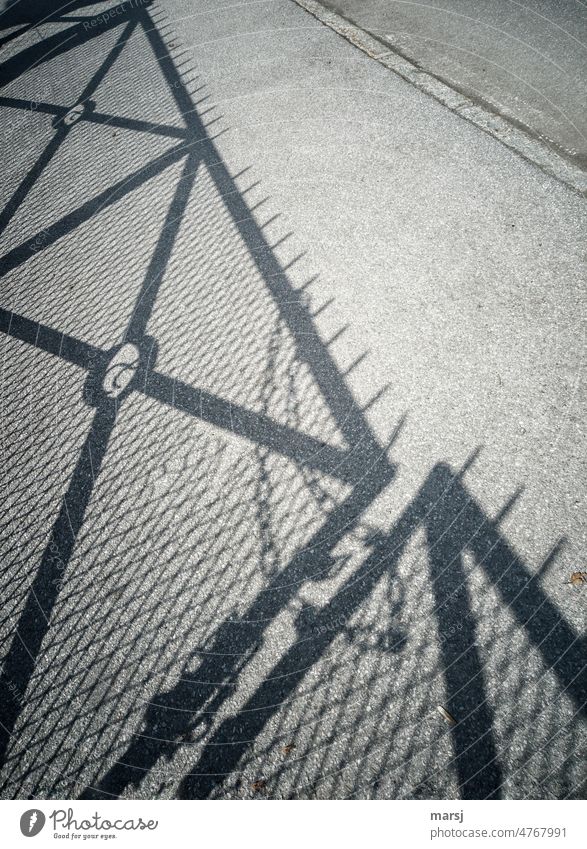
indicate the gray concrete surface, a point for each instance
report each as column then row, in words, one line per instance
column 525, row 60
column 346, row 482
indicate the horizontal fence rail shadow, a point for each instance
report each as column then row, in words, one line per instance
column 362, row 466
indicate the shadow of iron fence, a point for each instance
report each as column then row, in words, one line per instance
column 288, row 511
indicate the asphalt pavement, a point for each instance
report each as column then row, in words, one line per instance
column 527, row 61
column 292, row 408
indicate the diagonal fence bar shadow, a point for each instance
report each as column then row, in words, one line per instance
column 37, row 54
column 63, row 128
column 15, row 673
column 363, row 466
column 189, row 704
column 34, row 620
column 93, row 117
column 20, row 660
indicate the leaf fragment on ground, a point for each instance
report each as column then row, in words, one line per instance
column 446, row 715
column 578, row 578
column 258, row 786
column 288, row 749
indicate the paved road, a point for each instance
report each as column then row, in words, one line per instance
column 525, row 59
column 292, row 401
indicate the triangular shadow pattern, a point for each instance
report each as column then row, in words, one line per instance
column 271, row 499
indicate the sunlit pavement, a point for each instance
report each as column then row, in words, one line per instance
column 525, row 61
column 292, row 405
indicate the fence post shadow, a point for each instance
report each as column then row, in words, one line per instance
column 190, row 704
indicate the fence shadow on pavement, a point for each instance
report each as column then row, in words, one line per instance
column 218, row 540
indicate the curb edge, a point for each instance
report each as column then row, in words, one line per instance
column 513, row 137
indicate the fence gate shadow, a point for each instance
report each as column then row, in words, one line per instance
column 211, row 600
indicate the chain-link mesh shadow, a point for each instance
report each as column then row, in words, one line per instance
column 212, row 603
